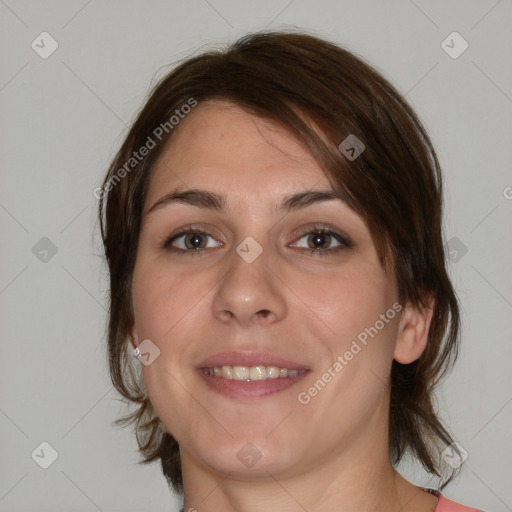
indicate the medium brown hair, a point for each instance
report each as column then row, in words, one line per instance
column 323, row 93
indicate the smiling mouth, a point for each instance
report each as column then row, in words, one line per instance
column 251, row 373
column 247, row 383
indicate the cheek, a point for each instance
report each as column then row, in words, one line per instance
column 164, row 302
column 161, row 299
column 357, row 340
column 348, row 301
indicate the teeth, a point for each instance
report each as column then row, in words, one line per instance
column 250, row 373
column 240, row 372
column 226, row 371
column 272, row 372
column 257, row 372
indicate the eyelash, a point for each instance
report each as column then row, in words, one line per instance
column 324, row 230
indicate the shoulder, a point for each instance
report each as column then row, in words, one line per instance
column 446, row 505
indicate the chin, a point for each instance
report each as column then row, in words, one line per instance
column 251, row 458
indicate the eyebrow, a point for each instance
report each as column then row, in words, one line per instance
column 213, row 201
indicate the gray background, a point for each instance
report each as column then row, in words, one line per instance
column 63, row 118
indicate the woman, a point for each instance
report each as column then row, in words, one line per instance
column 273, row 229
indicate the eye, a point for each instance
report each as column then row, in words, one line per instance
column 189, row 240
column 319, row 241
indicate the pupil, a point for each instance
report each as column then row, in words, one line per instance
column 195, row 240
column 319, row 239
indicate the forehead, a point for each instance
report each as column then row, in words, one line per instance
column 220, row 143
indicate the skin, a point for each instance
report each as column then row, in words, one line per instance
column 331, row 454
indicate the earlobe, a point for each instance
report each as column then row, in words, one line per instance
column 413, row 331
column 135, row 337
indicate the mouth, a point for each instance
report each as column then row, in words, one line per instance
column 249, row 375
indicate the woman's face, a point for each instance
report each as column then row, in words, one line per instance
column 263, row 293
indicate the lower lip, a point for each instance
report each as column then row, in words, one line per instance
column 253, row 389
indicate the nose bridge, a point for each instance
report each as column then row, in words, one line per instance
column 248, row 291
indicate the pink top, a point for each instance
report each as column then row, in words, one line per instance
column 446, row 505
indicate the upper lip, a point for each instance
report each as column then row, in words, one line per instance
column 249, row 358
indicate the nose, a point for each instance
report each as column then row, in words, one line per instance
column 250, row 293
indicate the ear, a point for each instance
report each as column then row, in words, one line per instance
column 135, row 337
column 413, row 331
